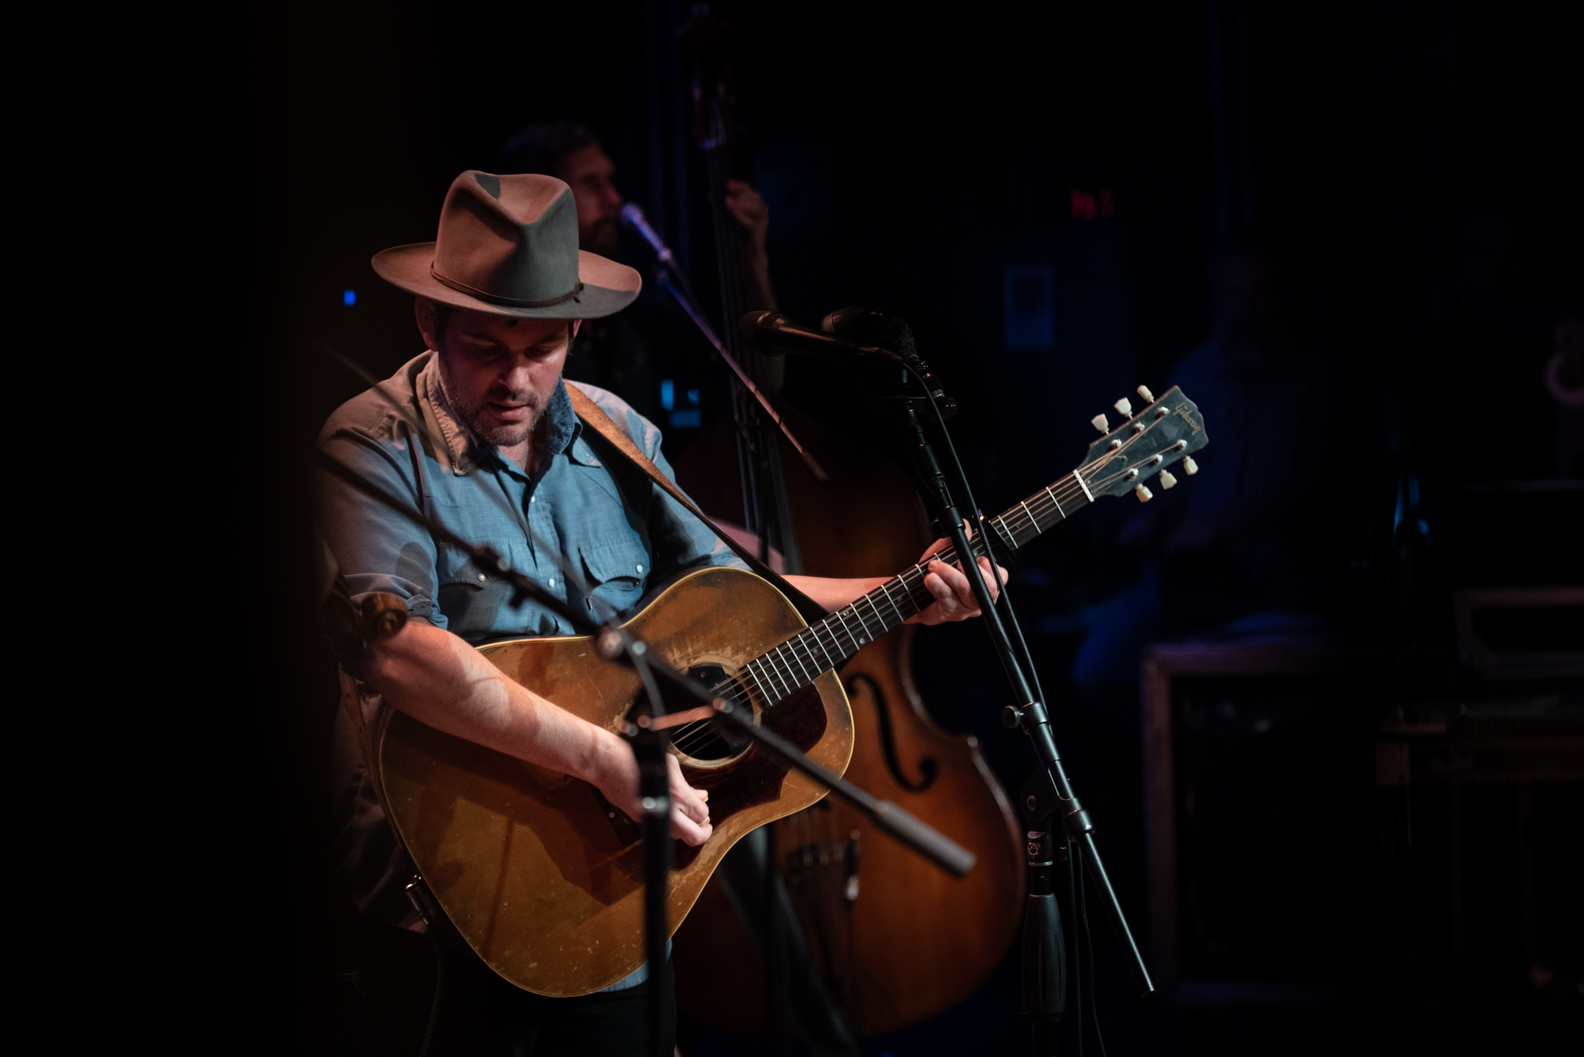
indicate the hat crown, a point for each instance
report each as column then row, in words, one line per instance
column 509, row 238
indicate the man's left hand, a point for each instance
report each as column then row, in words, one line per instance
column 749, row 207
column 954, row 597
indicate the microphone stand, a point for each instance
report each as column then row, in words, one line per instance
column 647, row 734
column 668, row 275
column 1044, row 989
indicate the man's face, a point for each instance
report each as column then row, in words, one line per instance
column 588, row 171
column 499, row 372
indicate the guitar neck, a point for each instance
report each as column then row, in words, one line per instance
column 827, row 644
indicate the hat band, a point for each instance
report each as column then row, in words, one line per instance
column 496, row 299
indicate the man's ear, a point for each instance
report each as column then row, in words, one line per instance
column 576, row 323
column 424, row 310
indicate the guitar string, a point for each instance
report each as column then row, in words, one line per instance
column 696, row 734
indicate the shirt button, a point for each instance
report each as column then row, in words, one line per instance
column 640, row 568
column 552, row 581
column 481, row 577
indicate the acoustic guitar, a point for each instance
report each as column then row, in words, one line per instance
column 542, row 877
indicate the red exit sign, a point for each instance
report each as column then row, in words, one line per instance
column 1086, row 206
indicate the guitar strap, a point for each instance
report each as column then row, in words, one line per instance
column 597, row 420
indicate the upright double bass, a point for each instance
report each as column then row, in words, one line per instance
column 892, row 940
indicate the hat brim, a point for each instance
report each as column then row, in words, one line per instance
column 608, row 287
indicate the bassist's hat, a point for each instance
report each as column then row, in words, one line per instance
column 508, row 245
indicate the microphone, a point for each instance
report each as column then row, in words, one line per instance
column 775, row 334
column 632, row 215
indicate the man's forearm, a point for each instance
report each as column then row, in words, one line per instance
column 440, row 680
column 833, row 593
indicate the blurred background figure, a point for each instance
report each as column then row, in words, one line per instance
column 634, row 351
column 1244, row 550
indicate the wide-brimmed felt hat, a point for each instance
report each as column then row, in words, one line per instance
column 508, row 245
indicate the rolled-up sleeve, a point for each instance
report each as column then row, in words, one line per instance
column 375, row 547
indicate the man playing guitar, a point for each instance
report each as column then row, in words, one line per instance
column 479, row 432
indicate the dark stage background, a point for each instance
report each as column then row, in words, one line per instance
column 1038, row 189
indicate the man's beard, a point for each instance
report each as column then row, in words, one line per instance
column 505, row 435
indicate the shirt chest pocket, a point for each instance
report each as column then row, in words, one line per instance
column 616, row 571
column 476, row 602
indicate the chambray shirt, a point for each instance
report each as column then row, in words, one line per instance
column 587, row 506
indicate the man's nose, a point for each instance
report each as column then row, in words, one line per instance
column 610, row 198
column 516, row 377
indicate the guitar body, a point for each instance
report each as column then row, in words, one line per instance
column 544, row 879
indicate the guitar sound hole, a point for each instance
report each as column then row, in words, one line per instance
column 704, row 741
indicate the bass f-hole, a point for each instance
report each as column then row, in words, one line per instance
column 928, row 767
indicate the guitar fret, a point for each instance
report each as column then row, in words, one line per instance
column 784, row 671
column 765, row 675
column 1059, row 511
column 758, row 684
column 765, row 666
column 1032, row 519
column 1006, row 534
column 863, row 623
column 814, row 630
column 807, row 678
column 832, row 625
column 850, row 636
column 888, row 598
column 830, row 633
column 813, row 637
column 878, row 615
column 777, row 667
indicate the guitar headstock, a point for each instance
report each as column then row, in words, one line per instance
column 1165, row 431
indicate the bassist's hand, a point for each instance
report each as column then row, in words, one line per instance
column 690, row 819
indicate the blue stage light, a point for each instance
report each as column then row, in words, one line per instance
column 349, row 297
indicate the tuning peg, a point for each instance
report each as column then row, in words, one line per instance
column 1099, row 422
column 1167, row 480
column 1189, row 465
column 1124, row 407
column 1144, row 494
column 1149, row 397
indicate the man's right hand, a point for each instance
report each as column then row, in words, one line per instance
column 690, row 819
column 440, row 680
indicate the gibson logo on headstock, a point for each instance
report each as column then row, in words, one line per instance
column 1182, row 411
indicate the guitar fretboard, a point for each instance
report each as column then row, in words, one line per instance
column 797, row 662
column 1121, row 460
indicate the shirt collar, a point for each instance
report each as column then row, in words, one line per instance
column 465, row 451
